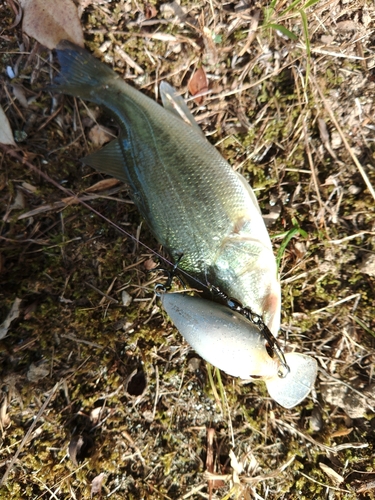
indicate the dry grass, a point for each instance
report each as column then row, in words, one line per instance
column 115, row 384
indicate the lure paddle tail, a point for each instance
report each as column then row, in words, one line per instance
column 229, row 341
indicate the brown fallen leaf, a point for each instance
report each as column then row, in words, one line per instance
column 198, row 84
column 149, row 264
column 100, row 135
column 20, row 95
column 332, row 474
column 103, row 185
column 6, row 134
column 49, row 21
column 96, row 484
column 150, row 11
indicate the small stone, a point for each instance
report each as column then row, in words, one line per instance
column 316, row 420
column 353, row 189
column 126, row 298
column 37, row 372
column 339, row 395
column 194, row 364
column 367, row 265
column 336, row 141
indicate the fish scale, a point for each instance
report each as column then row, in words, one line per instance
column 196, row 205
column 206, row 216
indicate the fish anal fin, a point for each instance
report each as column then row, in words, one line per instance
column 109, row 160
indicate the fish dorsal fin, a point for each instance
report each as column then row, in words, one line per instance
column 296, row 385
column 177, row 106
column 109, row 160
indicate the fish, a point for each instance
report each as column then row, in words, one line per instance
column 204, row 214
column 231, row 342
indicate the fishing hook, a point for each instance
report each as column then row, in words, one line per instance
column 257, row 320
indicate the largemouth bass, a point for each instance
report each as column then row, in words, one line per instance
column 202, row 211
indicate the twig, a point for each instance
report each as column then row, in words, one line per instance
column 354, row 296
column 322, row 484
column 156, row 391
column 351, row 237
column 342, row 135
column 331, row 449
column 28, row 433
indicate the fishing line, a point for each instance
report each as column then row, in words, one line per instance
column 71, row 194
column 235, row 306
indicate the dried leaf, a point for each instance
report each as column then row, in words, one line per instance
column 366, row 486
column 75, row 447
column 171, row 9
column 95, row 415
column 29, row 310
column 212, row 483
column 19, row 202
column 96, row 485
column 6, row 134
column 99, row 135
column 103, row 185
column 150, row 11
column 198, row 84
column 37, row 372
column 29, row 187
column 333, row 475
column 4, row 417
column 236, row 466
column 347, row 26
column 149, row 264
column 20, row 95
column 13, row 314
column 49, row 21
column 126, row 298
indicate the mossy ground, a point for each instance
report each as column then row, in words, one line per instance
column 126, row 383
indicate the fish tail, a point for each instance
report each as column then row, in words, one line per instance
column 80, row 72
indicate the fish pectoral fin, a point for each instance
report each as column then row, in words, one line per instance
column 290, row 390
column 109, row 160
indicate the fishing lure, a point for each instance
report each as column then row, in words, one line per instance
column 230, row 341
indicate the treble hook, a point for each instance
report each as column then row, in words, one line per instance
column 256, row 319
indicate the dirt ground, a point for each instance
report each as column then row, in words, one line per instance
column 97, row 386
